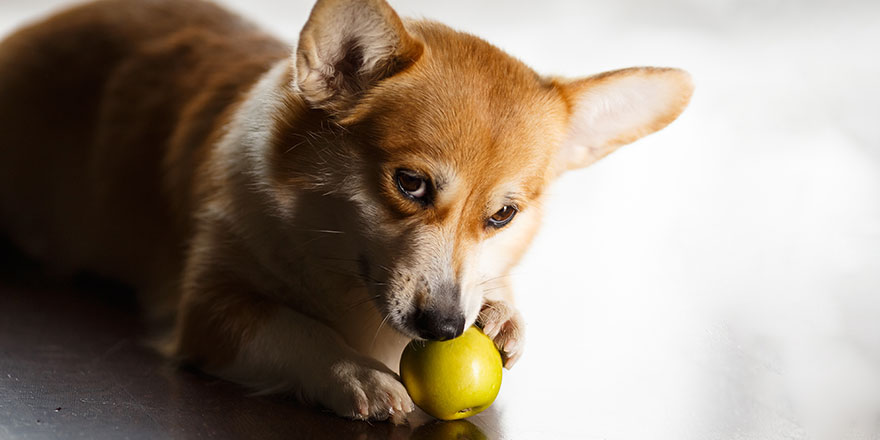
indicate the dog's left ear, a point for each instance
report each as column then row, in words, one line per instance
column 346, row 47
column 615, row 108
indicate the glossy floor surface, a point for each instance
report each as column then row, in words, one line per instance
column 73, row 366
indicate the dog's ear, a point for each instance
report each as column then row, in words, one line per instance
column 348, row 45
column 615, row 108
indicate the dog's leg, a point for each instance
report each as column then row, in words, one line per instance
column 502, row 322
column 272, row 348
column 252, row 336
column 292, row 351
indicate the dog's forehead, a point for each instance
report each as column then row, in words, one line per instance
column 470, row 109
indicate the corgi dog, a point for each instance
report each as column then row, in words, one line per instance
column 297, row 216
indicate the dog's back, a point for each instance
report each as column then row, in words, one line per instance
column 104, row 111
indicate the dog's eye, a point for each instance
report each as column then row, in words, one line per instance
column 412, row 185
column 502, row 217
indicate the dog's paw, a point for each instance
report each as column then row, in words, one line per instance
column 362, row 392
column 504, row 325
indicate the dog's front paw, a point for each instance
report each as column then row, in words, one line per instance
column 365, row 393
column 504, row 325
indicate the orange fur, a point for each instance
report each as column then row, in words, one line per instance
column 249, row 191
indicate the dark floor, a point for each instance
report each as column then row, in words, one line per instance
column 72, row 365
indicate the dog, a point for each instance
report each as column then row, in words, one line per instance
column 296, row 217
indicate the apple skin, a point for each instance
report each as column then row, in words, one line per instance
column 452, row 379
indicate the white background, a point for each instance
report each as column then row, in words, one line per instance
column 719, row 279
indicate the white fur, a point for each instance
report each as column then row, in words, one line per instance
column 248, row 133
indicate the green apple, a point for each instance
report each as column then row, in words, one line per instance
column 452, row 379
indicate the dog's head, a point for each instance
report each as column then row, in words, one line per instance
column 436, row 148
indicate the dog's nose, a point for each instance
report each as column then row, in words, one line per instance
column 439, row 326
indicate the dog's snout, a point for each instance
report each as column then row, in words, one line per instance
column 432, row 324
column 440, row 316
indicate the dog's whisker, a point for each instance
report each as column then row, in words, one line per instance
column 353, row 260
column 323, row 231
column 489, row 280
column 293, row 147
column 305, row 243
column 376, row 335
column 360, row 303
column 387, row 269
column 356, row 275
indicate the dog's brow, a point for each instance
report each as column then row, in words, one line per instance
column 440, row 181
column 514, row 198
column 443, row 175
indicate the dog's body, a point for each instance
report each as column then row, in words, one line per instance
column 300, row 218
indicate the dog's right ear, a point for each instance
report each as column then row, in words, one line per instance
column 347, row 46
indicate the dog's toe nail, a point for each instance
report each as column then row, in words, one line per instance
column 510, row 346
column 511, row 361
column 362, row 410
column 398, row 419
column 488, row 329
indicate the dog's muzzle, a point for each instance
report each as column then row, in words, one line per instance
column 441, row 318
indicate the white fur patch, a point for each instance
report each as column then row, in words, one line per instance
column 245, row 145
